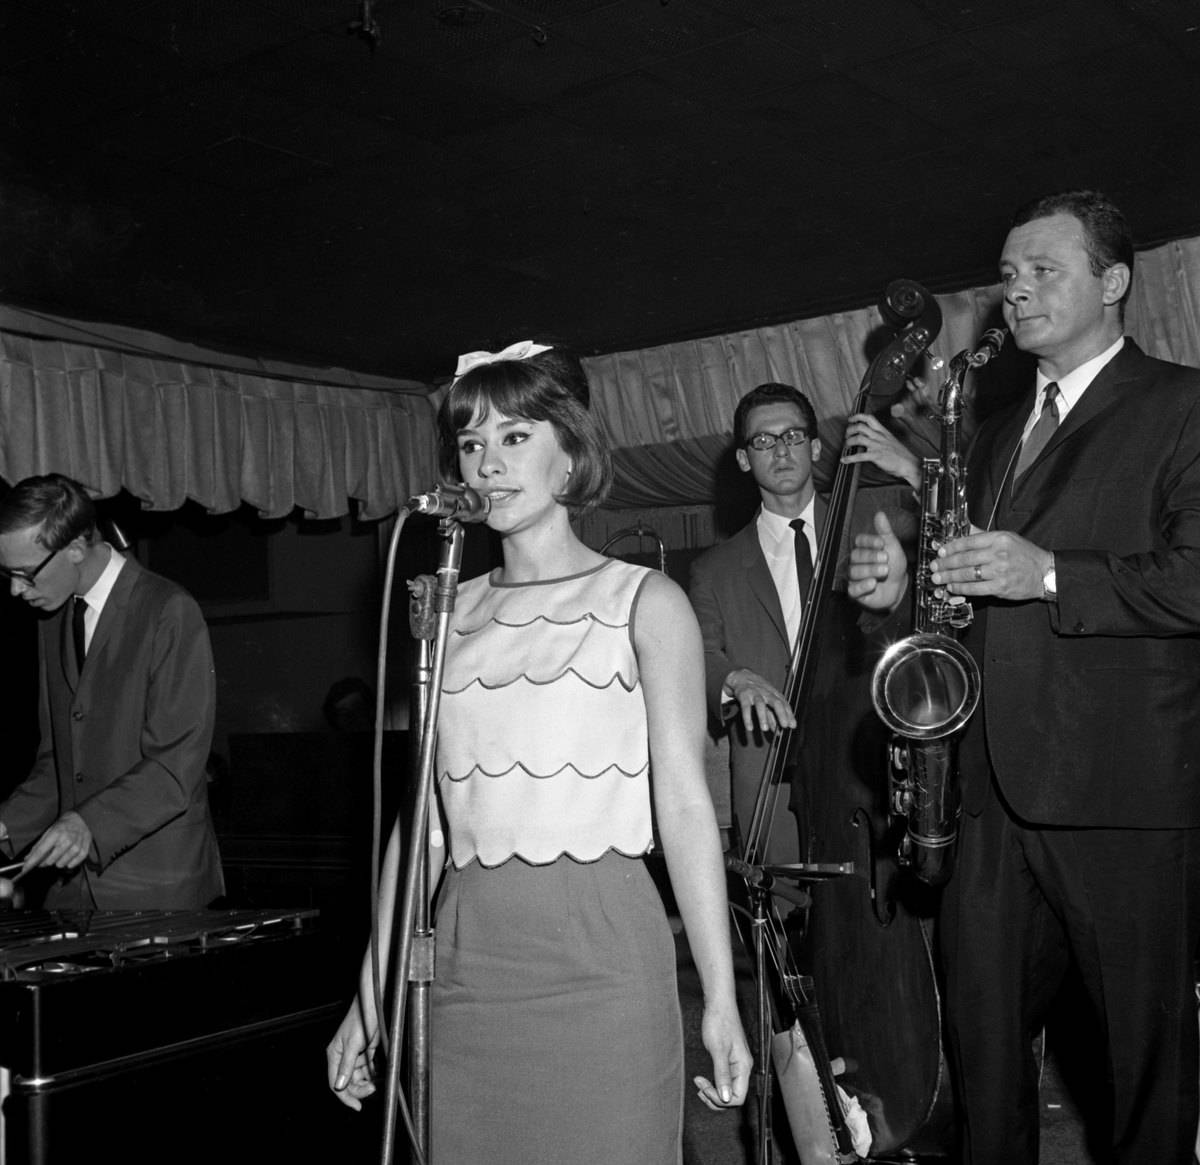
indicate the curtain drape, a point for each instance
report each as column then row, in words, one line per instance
column 169, row 429
column 169, row 423
column 690, row 389
column 669, row 410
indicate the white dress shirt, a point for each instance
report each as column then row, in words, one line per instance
column 97, row 596
column 1070, row 388
column 778, row 542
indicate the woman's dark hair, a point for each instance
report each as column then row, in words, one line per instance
column 551, row 386
column 59, row 505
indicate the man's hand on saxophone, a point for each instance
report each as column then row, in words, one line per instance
column 996, row 563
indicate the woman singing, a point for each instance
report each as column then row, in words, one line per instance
column 572, row 698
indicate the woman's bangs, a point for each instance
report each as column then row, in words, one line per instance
column 509, row 388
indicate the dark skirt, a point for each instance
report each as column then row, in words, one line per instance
column 556, row 1033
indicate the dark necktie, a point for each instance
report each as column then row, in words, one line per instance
column 1041, row 432
column 804, row 571
column 77, row 631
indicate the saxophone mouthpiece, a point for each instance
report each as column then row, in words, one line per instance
column 991, row 342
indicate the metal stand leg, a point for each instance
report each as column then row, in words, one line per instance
column 796, row 990
column 763, row 1009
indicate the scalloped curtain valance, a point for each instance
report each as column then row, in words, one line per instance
column 117, row 412
column 668, row 411
column 167, row 422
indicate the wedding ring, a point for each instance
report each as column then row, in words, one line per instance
column 979, row 574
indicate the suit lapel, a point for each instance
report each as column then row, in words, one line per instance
column 114, row 610
column 66, row 647
column 759, row 580
column 996, row 491
column 1100, row 396
column 1103, row 392
column 758, row 574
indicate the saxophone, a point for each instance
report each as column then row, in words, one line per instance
column 927, row 686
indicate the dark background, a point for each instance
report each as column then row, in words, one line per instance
column 258, row 175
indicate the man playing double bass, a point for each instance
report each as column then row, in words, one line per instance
column 749, row 593
column 1080, row 839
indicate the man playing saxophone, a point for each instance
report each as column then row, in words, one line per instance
column 1080, row 839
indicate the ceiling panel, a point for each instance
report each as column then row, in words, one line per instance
column 260, row 174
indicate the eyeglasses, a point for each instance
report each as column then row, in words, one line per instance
column 27, row 576
column 764, row 441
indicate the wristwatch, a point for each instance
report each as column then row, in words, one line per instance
column 1049, row 584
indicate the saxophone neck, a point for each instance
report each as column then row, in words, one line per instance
column 950, row 403
column 951, row 400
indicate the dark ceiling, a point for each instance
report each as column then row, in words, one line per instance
column 256, row 175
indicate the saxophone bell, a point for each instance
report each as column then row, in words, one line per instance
column 926, row 686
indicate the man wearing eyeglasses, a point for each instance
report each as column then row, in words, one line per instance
column 117, row 801
column 749, row 594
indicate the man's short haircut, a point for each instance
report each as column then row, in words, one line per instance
column 58, row 504
column 769, row 394
column 551, row 386
column 1106, row 232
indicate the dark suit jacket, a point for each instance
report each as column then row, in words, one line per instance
column 1091, row 706
column 741, row 622
column 125, row 746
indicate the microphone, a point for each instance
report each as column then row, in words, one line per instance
column 459, row 502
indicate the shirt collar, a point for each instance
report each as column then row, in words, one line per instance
column 102, row 587
column 779, row 527
column 1071, row 387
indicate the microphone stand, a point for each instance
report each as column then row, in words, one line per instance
column 423, row 626
column 761, row 882
column 413, row 968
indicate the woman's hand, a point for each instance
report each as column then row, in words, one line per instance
column 349, row 1060
column 721, row 1031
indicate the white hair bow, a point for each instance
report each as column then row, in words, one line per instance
column 521, row 350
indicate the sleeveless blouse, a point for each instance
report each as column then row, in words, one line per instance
column 542, row 741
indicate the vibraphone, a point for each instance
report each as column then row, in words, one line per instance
column 166, row 1036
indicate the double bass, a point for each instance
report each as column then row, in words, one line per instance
column 865, row 955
